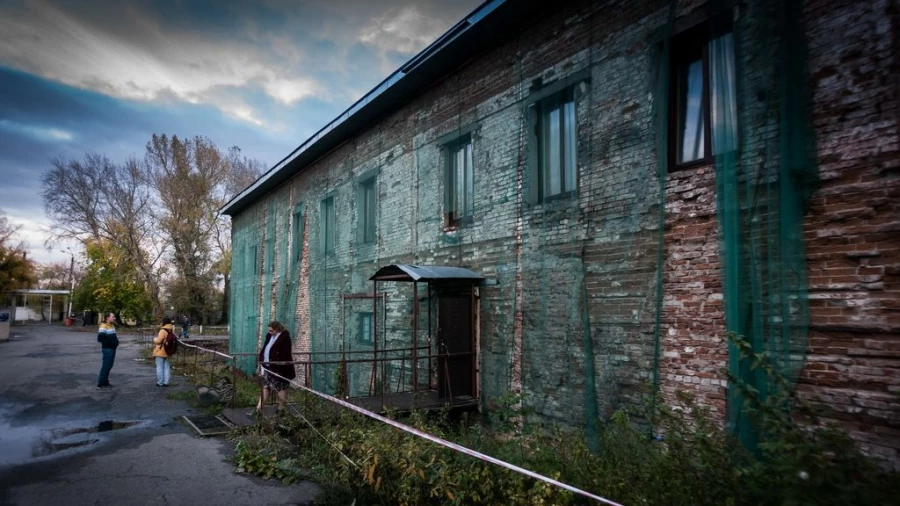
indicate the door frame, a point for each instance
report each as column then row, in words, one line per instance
column 473, row 335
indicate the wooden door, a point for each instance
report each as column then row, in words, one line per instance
column 455, row 372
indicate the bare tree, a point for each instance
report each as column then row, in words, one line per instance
column 53, row 276
column 130, row 205
column 158, row 212
column 194, row 179
column 95, row 199
column 73, row 196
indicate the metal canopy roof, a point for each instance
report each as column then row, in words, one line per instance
column 406, row 272
column 487, row 26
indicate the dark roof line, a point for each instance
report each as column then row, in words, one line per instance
column 447, row 52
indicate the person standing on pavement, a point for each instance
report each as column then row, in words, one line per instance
column 185, row 326
column 163, row 368
column 109, row 341
column 276, row 348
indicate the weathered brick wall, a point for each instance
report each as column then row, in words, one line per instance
column 853, row 227
column 694, row 348
column 596, row 254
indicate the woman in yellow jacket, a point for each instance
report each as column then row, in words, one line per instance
column 163, row 369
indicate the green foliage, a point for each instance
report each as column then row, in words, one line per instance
column 690, row 459
column 808, row 463
column 269, row 458
column 193, row 296
column 16, row 271
column 184, row 395
column 112, row 281
column 339, row 378
column 246, row 393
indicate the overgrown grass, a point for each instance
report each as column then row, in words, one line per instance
column 689, row 459
column 183, row 395
column 694, row 461
column 202, row 369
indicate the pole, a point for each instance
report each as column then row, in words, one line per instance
column 415, row 340
column 72, row 281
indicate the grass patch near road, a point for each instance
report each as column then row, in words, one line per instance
column 183, row 395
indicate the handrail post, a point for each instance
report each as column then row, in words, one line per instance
column 374, row 336
column 415, row 343
column 447, row 375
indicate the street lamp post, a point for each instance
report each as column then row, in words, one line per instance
column 72, row 282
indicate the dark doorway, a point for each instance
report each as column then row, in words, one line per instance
column 455, row 372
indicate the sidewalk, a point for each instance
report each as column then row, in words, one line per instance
column 63, row 441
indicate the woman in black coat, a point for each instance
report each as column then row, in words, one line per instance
column 276, row 348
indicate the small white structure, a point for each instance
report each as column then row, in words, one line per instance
column 25, row 308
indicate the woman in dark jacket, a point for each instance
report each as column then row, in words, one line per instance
column 276, row 348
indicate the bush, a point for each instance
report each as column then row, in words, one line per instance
column 689, row 460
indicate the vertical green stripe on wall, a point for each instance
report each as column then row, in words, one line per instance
column 292, row 276
column 269, row 268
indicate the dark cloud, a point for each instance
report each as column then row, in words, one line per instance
column 41, row 120
column 83, row 76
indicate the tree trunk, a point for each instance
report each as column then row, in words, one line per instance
column 226, row 300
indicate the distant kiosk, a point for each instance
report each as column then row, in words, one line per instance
column 34, row 305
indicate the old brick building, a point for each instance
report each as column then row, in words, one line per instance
column 631, row 180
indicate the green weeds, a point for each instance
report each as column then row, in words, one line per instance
column 687, row 459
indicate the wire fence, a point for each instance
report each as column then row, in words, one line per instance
column 209, row 362
column 204, row 361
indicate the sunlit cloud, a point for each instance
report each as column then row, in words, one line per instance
column 403, row 29
column 127, row 51
column 32, row 232
column 38, row 132
column 59, row 134
column 245, row 113
column 79, row 76
column 152, row 63
column 288, row 91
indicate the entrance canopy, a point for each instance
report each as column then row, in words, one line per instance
column 410, row 273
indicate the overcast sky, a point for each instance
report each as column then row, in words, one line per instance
column 78, row 76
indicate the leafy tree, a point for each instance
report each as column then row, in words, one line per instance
column 16, row 270
column 159, row 215
column 112, row 281
column 194, row 180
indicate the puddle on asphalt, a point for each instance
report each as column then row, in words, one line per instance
column 21, row 444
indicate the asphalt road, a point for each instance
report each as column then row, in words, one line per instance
column 56, row 446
